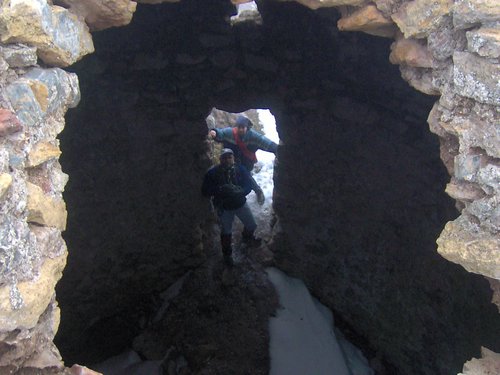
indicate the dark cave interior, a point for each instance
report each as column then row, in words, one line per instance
column 359, row 188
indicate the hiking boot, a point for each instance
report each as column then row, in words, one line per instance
column 260, row 196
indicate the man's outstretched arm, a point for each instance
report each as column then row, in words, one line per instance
column 222, row 135
column 262, row 142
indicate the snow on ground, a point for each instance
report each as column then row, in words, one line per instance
column 302, row 336
column 356, row 361
column 302, row 339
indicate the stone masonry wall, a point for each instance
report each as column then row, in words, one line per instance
column 447, row 48
column 451, row 49
column 32, row 212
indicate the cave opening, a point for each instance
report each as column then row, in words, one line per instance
column 359, row 186
column 263, row 124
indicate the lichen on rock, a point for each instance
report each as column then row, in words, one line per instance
column 59, row 36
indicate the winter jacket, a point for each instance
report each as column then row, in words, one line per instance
column 228, row 187
column 252, row 139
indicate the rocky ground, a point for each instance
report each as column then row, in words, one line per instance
column 218, row 322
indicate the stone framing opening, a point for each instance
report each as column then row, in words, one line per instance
column 465, row 112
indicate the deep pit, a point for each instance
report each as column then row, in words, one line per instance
column 358, row 187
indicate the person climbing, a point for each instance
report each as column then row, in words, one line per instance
column 228, row 184
column 244, row 141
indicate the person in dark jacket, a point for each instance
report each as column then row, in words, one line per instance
column 228, row 184
column 244, row 141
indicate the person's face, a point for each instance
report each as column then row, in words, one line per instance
column 227, row 160
column 242, row 130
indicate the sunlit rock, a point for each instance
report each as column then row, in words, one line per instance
column 448, row 144
column 42, row 152
column 60, row 37
column 23, row 303
column 62, row 88
column 45, row 360
column 469, row 149
column 49, row 241
column 387, row 7
column 5, row 182
column 45, row 210
column 9, row 124
column 476, row 77
column 100, row 14
column 445, row 40
column 41, row 92
column 485, row 42
column 410, row 52
column 464, row 191
column 368, row 19
column 420, row 79
column 420, row 17
column 24, row 103
column 19, row 252
column 48, row 176
column 468, row 13
column 469, row 245
column 489, row 363
column 19, row 55
column 31, row 350
column 475, row 132
column 316, row 4
column 4, row 66
column 58, row 179
column 468, row 166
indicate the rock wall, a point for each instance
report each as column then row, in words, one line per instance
column 451, row 49
column 33, row 213
column 361, row 230
column 443, row 48
column 137, row 217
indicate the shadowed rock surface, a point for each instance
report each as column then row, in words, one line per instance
column 359, row 187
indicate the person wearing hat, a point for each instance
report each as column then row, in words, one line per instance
column 228, row 184
column 244, row 141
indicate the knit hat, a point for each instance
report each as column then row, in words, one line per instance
column 242, row 121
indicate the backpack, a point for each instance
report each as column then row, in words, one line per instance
column 230, row 195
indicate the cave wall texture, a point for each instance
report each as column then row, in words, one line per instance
column 359, row 188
